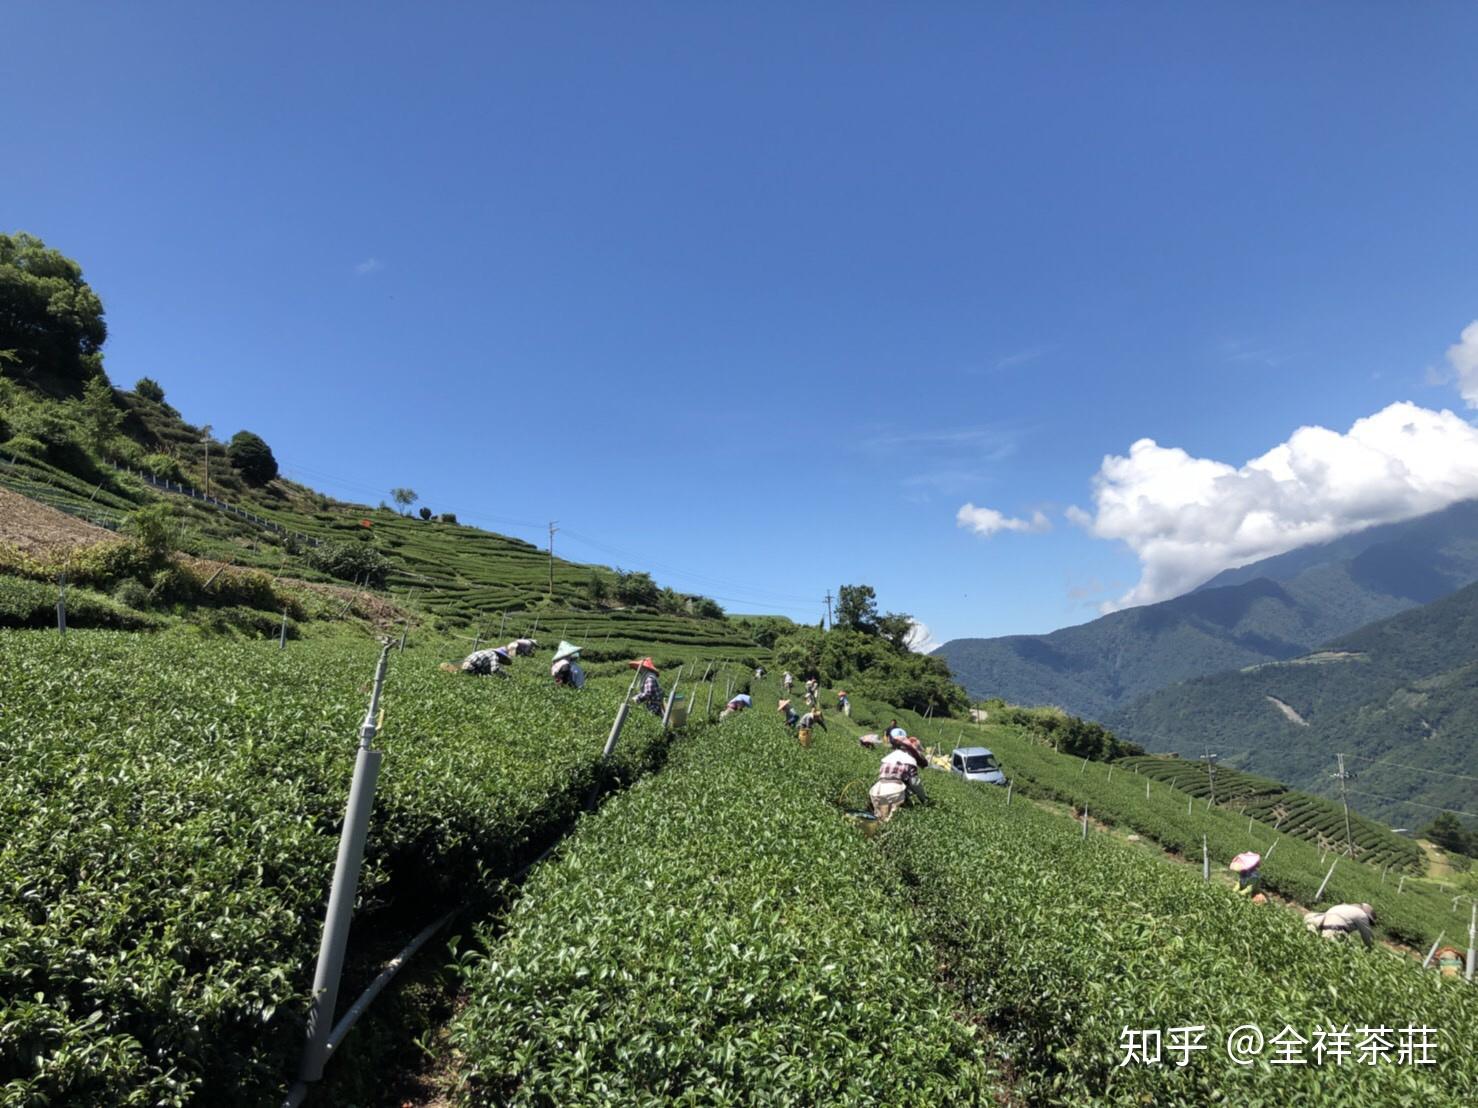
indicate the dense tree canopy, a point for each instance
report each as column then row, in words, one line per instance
column 857, row 608
column 49, row 316
column 252, row 457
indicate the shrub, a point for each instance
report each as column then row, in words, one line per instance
column 155, row 528
column 163, row 467
column 350, row 561
column 250, row 455
column 425, row 512
column 149, row 389
column 448, row 517
column 131, row 593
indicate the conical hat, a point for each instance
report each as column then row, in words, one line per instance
column 643, row 663
column 1245, row 861
column 566, row 650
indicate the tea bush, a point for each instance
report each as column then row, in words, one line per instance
column 169, row 813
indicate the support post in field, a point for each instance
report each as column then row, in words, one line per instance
column 61, row 606
column 1082, row 767
column 1249, row 825
column 1325, row 882
column 671, row 696
column 1383, row 872
column 1472, row 940
column 1401, row 884
column 1111, row 771
column 1085, row 823
column 1146, row 788
column 1345, row 800
column 1427, row 961
column 502, row 619
column 1188, row 801
column 340, row 910
column 611, row 739
column 1205, row 860
column 405, row 625
column 708, row 708
column 1271, row 847
column 282, row 634
column 1009, row 786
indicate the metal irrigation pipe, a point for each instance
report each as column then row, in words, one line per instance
column 340, row 909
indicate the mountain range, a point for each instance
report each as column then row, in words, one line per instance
column 1398, row 697
column 1273, row 610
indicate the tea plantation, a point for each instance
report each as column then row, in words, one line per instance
column 719, row 931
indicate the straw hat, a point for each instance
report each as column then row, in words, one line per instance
column 643, row 663
column 566, row 650
column 501, row 654
column 784, row 704
column 1245, row 861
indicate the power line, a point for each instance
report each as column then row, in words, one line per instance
column 1417, row 803
column 1418, row 769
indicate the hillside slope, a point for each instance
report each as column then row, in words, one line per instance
column 1399, row 696
column 1272, row 610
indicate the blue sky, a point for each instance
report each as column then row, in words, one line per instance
column 760, row 296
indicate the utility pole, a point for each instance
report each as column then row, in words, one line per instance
column 828, row 610
column 205, row 438
column 1349, row 838
column 552, row 529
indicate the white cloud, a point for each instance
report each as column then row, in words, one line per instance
column 368, row 266
column 1463, row 357
column 1189, row 518
column 987, row 521
column 920, row 639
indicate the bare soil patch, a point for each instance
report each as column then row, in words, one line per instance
column 38, row 529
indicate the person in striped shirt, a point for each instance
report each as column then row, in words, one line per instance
column 649, row 693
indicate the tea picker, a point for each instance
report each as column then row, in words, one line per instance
column 1340, row 920
column 791, row 718
column 898, row 778
column 1249, row 875
column 738, row 704
column 566, row 668
column 650, row 695
column 492, row 662
column 523, row 648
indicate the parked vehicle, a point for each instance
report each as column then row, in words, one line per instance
column 976, row 763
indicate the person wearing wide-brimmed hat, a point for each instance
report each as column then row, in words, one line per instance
column 650, row 695
column 493, row 661
column 1249, row 875
column 898, row 778
column 1340, row 920
column 523, row 648
column 566, row 668
column 791, row 717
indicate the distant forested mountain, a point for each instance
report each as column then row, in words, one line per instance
column 1272, row 610
column 1399, row 697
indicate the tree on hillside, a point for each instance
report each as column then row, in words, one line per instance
column 636, row 589
column 895, row 627
column 49, row 315
column 857, row 608
column 425, row 512
column 1448, row 832
column 149, row 389
column 252, row 457
column 404, row 498
column 102, row 414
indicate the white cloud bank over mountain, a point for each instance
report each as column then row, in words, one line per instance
column 1189, row 518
